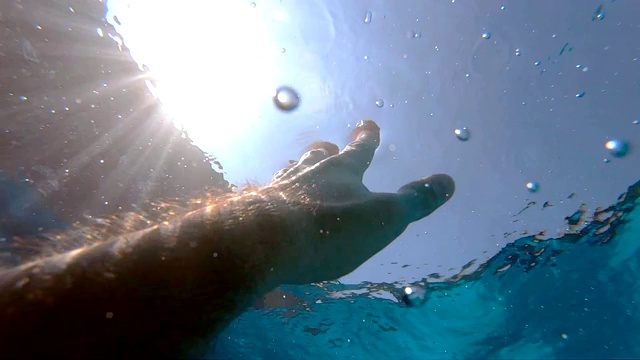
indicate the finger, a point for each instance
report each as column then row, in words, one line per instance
column 318, row 151
column 359, row 153
column 331, row 148
column 422, row 197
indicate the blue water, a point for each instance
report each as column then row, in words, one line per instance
column 577, row 296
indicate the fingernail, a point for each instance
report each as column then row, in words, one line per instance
column 363, row 126
column 442, row 186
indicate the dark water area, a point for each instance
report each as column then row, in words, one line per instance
column 571, row 297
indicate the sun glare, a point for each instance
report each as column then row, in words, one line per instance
column 212, row 61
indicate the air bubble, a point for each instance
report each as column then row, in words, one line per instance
column 580, row 94
column 413, row 296
column 617, row 148
column 367, row 17
column 598, row 14
column 286, row 98
column 636, row 122
column 486, row 35
column 518, row 52
column 252, row 5
column 463, row 134
column 533, row 187
column 537, row 63
column 379, row 103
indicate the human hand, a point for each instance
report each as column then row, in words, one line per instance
column 344, row 224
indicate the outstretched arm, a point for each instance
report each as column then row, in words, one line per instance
column 160, row 292
column 166, row 291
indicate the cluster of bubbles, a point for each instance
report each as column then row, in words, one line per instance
column 287, row 99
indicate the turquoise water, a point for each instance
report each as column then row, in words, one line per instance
column 577, row 296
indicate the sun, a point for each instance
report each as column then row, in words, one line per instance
column 212, row 60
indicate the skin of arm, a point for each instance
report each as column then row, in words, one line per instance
column 167, row 291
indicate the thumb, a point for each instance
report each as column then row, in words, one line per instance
column 422, row 197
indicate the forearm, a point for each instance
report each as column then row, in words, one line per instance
column 160, row 290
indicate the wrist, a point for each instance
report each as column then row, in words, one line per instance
column 254, row 233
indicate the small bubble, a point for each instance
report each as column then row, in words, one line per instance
column 379, row 103
column 636, row 122
column 617, row 148
column 486, row 35
column 366, row 57
column 392, row 147
column 100, row 33
column 585, row 69
column 417, row 35
column 467, row 75
column 580, row 94
column 101, row 161
column 367, row 17
column 502, row 7
column 414, row 296
column 537, row 63
column 598, row 14
column 252, row 5
column 463, row 134
column 286, row 98
column 533, row 187
column 565, row 336
column 23, row 98
column 606, row 160
column 215, row 254
column 283, row 50
column 579, row 66
column 518, row 52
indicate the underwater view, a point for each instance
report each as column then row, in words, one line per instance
column 173, row 175
column 571, row 297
